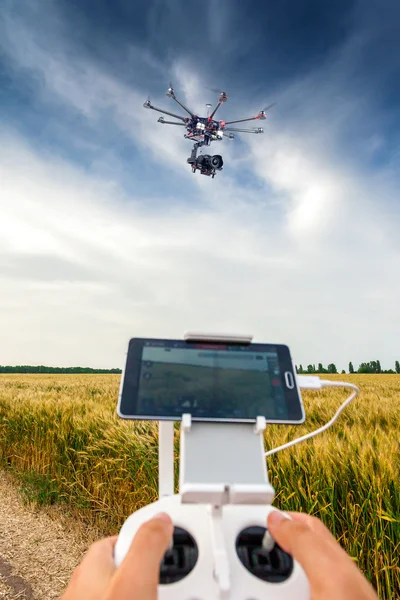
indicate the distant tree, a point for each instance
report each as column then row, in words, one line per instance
column 351, row 368
column 397, row 366
column 332, row 368
column 343, row 372
column 389, row 371
column 370, row 367
column 55, row 370
column 311, row 369
column 301, row 370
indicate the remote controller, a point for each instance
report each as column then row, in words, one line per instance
column 220, row 547
column 217, row 552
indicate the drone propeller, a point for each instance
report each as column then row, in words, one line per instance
column 215, row 90
column 268, row 107
column 170, row 92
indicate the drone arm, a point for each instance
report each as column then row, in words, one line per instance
column 165, row 112
column 171, row 123
column 182, row 105
column 243, row 130
column 242, row 120
column 215, row 110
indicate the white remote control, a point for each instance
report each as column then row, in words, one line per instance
column 218, row 553
column 220, row 548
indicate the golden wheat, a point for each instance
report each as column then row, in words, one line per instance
column 60, row 434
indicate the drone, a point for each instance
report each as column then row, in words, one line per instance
column 204, row 130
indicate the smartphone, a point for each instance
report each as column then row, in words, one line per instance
column 164, row 379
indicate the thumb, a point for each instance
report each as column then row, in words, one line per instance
column 138, row 575
column 311, row 545
column 329, row 569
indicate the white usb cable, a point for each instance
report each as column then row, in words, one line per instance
column 311, row 382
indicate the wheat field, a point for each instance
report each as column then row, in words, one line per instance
column 61, row 438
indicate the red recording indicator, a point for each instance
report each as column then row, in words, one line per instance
column 276, row 382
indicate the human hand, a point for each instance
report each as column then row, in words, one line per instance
column 97, row 578
column 330, row 571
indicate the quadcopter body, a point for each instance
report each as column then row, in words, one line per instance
column 202, row 131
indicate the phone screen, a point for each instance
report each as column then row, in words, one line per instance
column 165, row 378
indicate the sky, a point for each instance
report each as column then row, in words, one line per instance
column 105, row 234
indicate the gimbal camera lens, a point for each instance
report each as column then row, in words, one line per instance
column 216, row 161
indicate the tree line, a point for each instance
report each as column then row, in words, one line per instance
column 374, row 366
column 43, row 369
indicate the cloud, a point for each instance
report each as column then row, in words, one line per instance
column 79, row 84
column 293, row 241
column 64, row 234
column 121, row 272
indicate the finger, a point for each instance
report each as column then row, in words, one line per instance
column 315, row 524
column 138, row 575
column 94, row 574
column 347, row 571
column 100, row 555
column 300, row 525
column 319, row 554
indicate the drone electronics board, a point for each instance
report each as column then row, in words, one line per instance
column 202, row 131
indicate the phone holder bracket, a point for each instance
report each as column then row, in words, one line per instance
column 220, row 463
column 223, row 463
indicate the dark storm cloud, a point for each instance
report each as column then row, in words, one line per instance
column 227, row 40
column 335, row 66
column 292, row 231
column 257, row 49
column 261, row 44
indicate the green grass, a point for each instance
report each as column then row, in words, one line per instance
column 61, row 436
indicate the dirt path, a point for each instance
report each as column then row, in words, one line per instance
column 37, row 552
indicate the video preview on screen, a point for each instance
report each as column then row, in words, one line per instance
column 210, row 383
